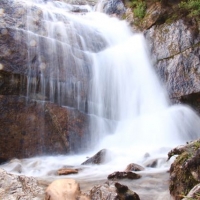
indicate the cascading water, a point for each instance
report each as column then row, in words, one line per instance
column 95, row 63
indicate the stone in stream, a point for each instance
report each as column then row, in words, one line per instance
column 124, row 193
column 110, row 191
column 134, row 167
column 66, row 171
column 98, row 158
column 122, row 175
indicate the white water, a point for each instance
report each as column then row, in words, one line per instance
column 124, row 91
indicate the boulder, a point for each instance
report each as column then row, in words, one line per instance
column 105, row 191
column 19, row 187
column 64, row 189
column 134, row 167
column 124, row 193
column 98, row 158
column 122, row 175
column 110, row 191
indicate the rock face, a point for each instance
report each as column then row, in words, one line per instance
column 47, row 55
column 175, row 47
column 23, row 123
column 184, row 172
column 19, row 187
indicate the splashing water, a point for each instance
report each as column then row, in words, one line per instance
column 96, row 60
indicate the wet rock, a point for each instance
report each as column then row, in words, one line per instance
column 151, row 163
column 122, row 175
column 98, row 158
column 111, row 7
column 65, row 171
column 124, row 193
column 27, row 124
column 134, row 167
column 19, row 187
column 109, row 191
column 25, row 54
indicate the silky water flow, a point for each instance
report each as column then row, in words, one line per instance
column 95, row 60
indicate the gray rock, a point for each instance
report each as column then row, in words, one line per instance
column 122, row 175
column 19, row 187
column 134, row 167
column 98, row 158
column 175, row 49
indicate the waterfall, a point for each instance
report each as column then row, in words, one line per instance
column 94, row 63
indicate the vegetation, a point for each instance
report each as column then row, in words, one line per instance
column 192, row 6
column 138, row 7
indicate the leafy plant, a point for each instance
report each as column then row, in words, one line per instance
column 139, row 8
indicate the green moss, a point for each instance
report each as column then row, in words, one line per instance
column 196, row 145
column 140, row 10
column 182, row 180
column 183, row 157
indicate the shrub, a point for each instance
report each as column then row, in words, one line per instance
column 192, row 6
column 139, row 8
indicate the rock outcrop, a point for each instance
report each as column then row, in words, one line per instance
column 122, row 175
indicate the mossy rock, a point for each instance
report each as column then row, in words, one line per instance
column 184, row 172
